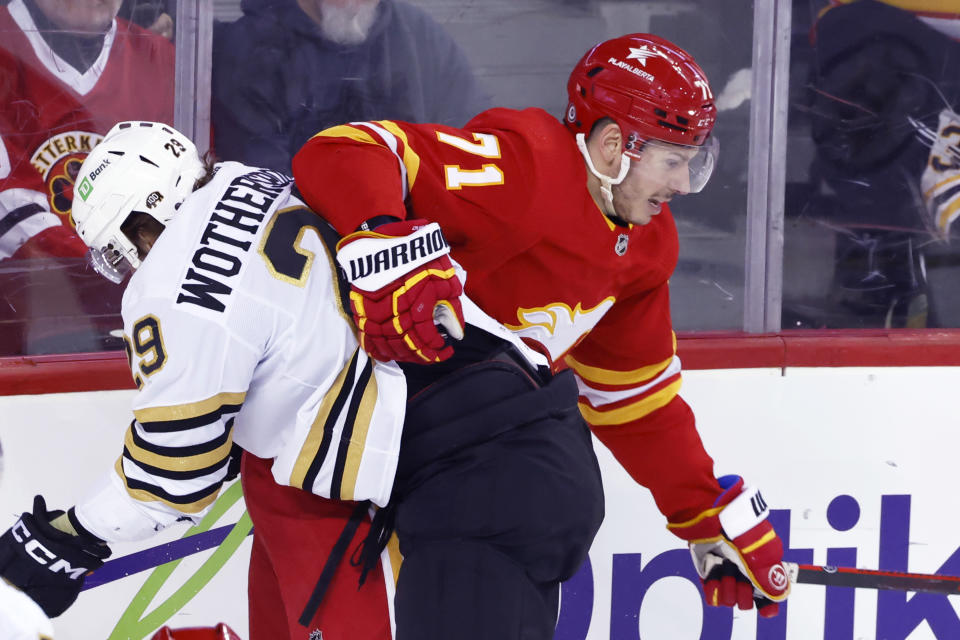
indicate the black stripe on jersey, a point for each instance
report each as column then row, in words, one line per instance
column 183, row 452
column 330, row 238
column 184, row 424
column 18, row 215
column 345, row 390
column 154, row 490
column 348, row 425
column 945, row 196
column 175, row 475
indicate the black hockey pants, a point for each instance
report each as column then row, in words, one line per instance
column 498, row 498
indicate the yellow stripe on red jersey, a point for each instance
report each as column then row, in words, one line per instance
column 615, row 397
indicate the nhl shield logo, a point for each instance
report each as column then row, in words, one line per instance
column 622, row 241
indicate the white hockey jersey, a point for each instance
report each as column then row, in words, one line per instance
column 20, row 617
column 236, row 333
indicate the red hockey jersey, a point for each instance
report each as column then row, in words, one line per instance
column 51, row 115
column 510, row 193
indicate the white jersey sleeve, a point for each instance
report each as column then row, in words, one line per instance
column 236, row 333
column 20, row 617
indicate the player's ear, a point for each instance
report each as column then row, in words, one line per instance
column 605, row 145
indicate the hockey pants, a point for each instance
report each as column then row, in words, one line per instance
column 293, row 535
column 498, row 498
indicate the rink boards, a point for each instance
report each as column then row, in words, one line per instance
column 857, row 463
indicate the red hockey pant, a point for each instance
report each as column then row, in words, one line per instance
column 294, row 532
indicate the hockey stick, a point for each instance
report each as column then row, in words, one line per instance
column 872, row 579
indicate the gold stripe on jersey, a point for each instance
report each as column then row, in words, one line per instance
column 330, row 238
column 142, row 495
column 613, row 226
column 410, row 158
column 396, row 558
column 929, row 192
column 631, row 412
column 929, row 6
column 190, row 409
column 358, row 440
column 609, row 376
column 311, row 445
column 177, row 463
column 346, row 131
column 943, row 218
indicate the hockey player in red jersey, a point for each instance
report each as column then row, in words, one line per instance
column 567, row 238
column 66, row 69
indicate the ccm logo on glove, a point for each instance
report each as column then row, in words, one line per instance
column 42, row 555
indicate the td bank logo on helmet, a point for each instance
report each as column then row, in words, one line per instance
column 86, row 186
column 100, row 167
column 84, row 189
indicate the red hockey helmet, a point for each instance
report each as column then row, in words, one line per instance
column 652, row 89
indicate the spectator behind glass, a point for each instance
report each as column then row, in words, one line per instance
column 69, row 69
column 154, row 15
column 65, row 73
column 882, row 93
column 290, row 68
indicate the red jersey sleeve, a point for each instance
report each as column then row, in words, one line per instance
column 629, row 378
column 348, row 176
column 351, row 173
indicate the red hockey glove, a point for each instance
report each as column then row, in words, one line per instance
column 736, row 551
column 402, row 283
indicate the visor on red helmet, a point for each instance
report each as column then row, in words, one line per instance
column 685, row 168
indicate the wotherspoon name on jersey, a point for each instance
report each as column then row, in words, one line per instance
column 235, row 221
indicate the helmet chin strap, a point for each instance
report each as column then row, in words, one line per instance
column 606, row 182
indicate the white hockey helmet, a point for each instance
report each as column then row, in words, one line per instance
column 145, row 167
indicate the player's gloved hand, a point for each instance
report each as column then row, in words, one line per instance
column 46, row 563
column 402, row 286
column 736, row 551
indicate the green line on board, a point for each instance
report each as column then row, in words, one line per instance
column 133, row 624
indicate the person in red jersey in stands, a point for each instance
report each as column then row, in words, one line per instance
column 69, row 70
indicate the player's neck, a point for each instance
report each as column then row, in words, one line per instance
column 79, row 51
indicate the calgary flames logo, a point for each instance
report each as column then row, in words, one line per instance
column 557, row 326
column 58, row 160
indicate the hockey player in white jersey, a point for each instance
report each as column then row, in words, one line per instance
column 236, row 334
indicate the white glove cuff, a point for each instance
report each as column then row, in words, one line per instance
column 745, row 512
column 111, row 514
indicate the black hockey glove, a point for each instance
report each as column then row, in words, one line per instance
column 47, row 564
